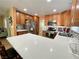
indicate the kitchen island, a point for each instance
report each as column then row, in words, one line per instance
column 31, row 46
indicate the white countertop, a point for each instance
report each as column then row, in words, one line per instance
column 20, row 30
column 31, row 46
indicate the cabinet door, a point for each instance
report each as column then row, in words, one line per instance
column 17, row 18
column 22, row 18
column 36, row 20
column 26, row 17
column 23, row 32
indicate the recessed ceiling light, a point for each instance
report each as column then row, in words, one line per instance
column 77, row 6
column 26, row 49
column 51, row 50
column 54, row 10
column 36, row 14
column 49, row 0
column 25, row 9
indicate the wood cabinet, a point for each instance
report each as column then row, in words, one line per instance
column 21, row 32
column 22, row 18
column 36, row 20
column 18, row 18
column 62, row 19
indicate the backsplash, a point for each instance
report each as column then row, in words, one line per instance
column 20, row 26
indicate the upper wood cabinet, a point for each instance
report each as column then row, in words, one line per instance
column 28, row 17
column 67, row 18
column 18, row 18
column 22, row 18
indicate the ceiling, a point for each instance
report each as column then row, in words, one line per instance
column 41, row 7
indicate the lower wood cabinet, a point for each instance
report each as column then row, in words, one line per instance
column 22, row 32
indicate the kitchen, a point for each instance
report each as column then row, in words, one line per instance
column 36, row 32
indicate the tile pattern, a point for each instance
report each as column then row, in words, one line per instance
column 5, row 43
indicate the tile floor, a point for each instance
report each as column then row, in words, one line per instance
column 5, row 43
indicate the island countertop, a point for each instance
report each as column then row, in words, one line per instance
column 31, row 46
